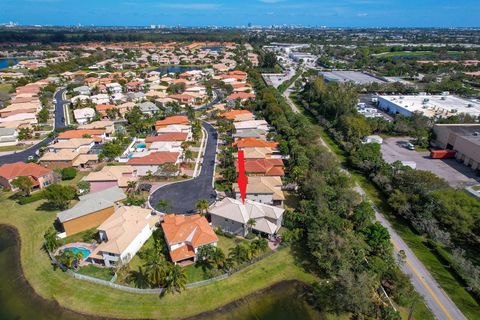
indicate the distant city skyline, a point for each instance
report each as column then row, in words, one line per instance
column 330, row 13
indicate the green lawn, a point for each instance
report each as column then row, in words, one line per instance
column 97, row 272
column 12, row 148
column 5, row 87
column 91, row 298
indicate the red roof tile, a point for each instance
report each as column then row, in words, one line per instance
column 21, row 169
column 171, row 136
column 155, row 158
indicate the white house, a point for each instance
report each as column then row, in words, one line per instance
column 8, row 137
column 83, row 115
column 123, row 234
column 114, row 87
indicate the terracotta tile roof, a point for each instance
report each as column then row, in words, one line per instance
column 70, row 134
column 182, row 253
column 241, row 95
column 171, row 136
column 155, row 158
column 231, row 115
column 192, row 230
column 104, row 107
column 254, row 142
column 21, row 169
column 269, row 167
column 173, row 120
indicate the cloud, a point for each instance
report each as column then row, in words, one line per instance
column 190, row 6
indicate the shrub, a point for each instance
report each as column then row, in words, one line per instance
column 32, row 198
column 69, row 173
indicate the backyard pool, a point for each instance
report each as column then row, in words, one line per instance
column 141, row 146
column 75, row 250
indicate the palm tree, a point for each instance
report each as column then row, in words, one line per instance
column 188, row 155
column 51, row 241
column 149, row 175
column 258, row 246
column 250, row 224
column 155, row 268
column 131, row 186
column 23, row 183
column 238, row 254
column 218, row 258
column 139, row 278
column 202, row 206
column 175, row 279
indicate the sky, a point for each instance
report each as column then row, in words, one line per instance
column 330, row 13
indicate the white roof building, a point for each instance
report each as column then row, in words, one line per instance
column 439, row 106
column 84, row 115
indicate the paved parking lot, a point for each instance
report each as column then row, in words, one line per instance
column 456, row 174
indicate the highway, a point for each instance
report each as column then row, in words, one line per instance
column 31, row 152
column 442, row 307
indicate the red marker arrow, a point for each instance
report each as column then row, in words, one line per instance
column 242, row 179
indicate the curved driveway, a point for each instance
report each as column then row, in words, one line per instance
column 182, row 196
column 59, row 123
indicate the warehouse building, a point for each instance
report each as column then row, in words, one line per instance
column 463, row 138
column 432, row 106
column 351, row 76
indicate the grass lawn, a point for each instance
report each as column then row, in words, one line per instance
column 97, row 272
column 95, row 299
column 12, row 148
column 5, row 87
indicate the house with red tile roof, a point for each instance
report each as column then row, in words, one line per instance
column 167, row 137
column 102, row 108
column 40, row 176
column 182, row 120
column 244, row 143
column 238, row 115
column 183, row 98
column 243, row 96
column 264, row 167
column 152, row 161
column 97, row 134
column 185, row 235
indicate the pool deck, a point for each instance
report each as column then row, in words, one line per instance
column 88, row 246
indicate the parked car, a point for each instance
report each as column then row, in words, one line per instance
column 145, row 187
column 410, row 146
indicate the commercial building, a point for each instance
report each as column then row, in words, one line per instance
column 432, row 106
column 351, row 76
column 463, row 138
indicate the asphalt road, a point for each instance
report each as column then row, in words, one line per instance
column 442, row 307
column 59, row 123
column 182, row 196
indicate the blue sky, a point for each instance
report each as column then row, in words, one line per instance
column 332, row 13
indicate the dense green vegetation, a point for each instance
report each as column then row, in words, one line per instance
column 448, row 217
column 360, row 258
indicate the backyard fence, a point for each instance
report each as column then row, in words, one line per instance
column 157, row 290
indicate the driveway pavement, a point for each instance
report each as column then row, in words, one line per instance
column 456, row 174
column 182, row 196
column 59, row 123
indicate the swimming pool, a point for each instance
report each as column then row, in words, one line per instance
column 141, row 146
column 75, row 250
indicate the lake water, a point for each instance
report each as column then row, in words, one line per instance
column 5, row 63
column 283, row 301
column 175, row 69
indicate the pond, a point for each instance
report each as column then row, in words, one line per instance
column 7, row 62
column 19, row 301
